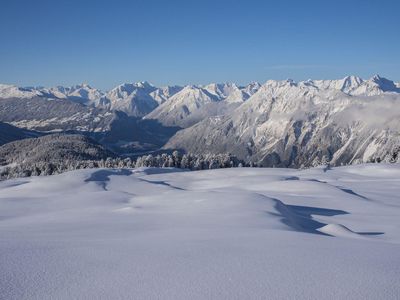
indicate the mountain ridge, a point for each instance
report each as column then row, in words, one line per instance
column 278, row 123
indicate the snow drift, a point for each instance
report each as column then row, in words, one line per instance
column 226, row 234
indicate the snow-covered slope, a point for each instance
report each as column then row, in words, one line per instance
column 293, row 124
column 218, row 234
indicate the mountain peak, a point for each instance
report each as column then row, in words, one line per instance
column 384, row 84
column 376, row 77
column 143, row 84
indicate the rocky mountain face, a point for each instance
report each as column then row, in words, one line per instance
column 279, row 123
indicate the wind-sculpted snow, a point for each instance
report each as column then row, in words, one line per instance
column 9, row 133
column 241, row 233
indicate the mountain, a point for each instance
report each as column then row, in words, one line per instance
column 289, row 124
column 195, row 103
column 135, row 99
column 132, row 98
column 12, row 91
column 279, row 123
column 52, row 148
column 356, row 86
column 140, row 98
column 164, row 93
column 43, row 114
column 83, row 93
column 185, row 108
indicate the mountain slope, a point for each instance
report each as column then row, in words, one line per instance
column 292, row 124
column 44, row 114
column 52, row 148
column 9, row 133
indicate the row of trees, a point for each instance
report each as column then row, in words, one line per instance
column 174, row 160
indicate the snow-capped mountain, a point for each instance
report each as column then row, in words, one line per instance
column 293, row 124
column 195, row 103
column 279, row 123
column 162, row 94
column 140, row 98
column 355, row 86
column 12, row 91
column 185, row 108
column 136, row 99
column 82, row 93
column 131, row 98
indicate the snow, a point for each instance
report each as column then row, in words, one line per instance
column 10, row 91
column 221, row 234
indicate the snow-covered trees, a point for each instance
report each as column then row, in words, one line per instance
column 175, row 160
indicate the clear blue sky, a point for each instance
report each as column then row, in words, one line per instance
column 105, row 43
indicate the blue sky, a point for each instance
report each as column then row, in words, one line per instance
column 105, row 43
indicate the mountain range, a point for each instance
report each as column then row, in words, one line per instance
column 278, row 123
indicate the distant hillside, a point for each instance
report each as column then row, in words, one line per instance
column 52, row 148
column 9, row 133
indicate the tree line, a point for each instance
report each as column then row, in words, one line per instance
column 174, row 160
